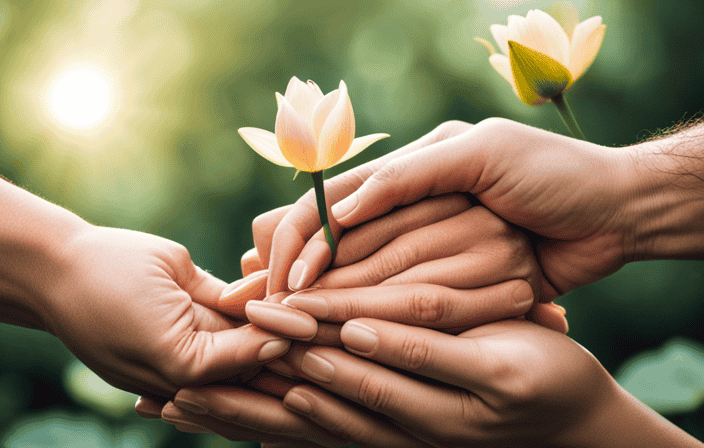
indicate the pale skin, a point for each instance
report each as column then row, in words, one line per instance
column 137, row 311
column 590, row 209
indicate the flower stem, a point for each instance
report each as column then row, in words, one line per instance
column 567, row 117
column 323, row 210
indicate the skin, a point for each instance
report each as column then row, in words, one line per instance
column 133, row 307
column 589, row 210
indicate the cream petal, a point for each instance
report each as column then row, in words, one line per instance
column 322, row 110
column 502, row 64
column 316, row 90
column 302, row 98
column 294, row 137
column 566, row 15
column 586, row 42
column 337, row 133
column 500, row 33
column 360, row 144
column 540, row 32
column 264, row 143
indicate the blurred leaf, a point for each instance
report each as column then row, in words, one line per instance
column 88, row 389
column 669, row 379
column 61, row 430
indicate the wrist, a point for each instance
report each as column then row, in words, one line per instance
column 34, row 235
column 666, row 204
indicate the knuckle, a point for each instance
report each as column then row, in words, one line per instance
column 450, row 129
column 384, row 264
column 374, row 393
column 427, row 306
column 415, row 352
column 388, row 174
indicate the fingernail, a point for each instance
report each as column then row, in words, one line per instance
column 273, row 349
column 281, row 319
column 344, row 207
column 313, row 305
column 559, row 308
column 297, row 275
column 359, row 338
column 190, row 402
column 317, row 368
column 298, row 403
column 147, row 408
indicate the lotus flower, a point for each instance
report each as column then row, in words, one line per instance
column 313, row 131
column 540, row 58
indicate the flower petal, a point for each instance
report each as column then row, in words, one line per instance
column 586, row 42
column 303, row 98
column 264, row 143
column 322, row 110
column 566, row 15
column 500, row 33
column 337, row 132
column 294, row 137
column 537, row 76
column 540, row 32
column 502, row 64
column 360, row 144
column 487, row 44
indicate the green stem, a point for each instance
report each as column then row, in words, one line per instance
column 323, row 210
column 566, row 114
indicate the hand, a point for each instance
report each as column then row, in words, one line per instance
column 437, row 263
column 509, row 383
column 135, row 309
column 569, row 193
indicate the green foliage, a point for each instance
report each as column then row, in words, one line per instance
column 187, row 74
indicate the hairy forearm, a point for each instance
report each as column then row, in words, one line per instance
column 667, row 199
column 33, row 233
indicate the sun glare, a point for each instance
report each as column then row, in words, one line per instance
column 80, row 97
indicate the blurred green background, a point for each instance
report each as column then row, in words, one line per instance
column 126, row 112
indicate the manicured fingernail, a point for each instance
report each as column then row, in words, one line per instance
column 273, row 349
column 298, row 403
column 344, row 207
column 281, row 319
column 171, row 414
column 359, row 338
column 313, row 305
column 190, row 402
column 297, row 275
column 317, row 368
column 147, row 408
column 559, row 308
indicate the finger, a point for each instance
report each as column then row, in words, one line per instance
column 549, row 315
column 474, row 248
column 148, row 407
column 346, row 421
column 203, row 287
column 298, row 226
column 263, row 228
column 234, row 297
column 282, row 320
column 417, row 304
column 364, row 240
column 401, row 397
column 419, row 350
column 219, row 408
column 203, row 357
column 251, row 262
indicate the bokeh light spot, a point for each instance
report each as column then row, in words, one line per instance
column 80, row 97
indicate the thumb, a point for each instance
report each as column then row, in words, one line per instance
column 451, row 165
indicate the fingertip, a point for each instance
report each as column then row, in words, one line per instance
column 148, row 408
column 250, row 262
column 342, row 211
column 282, row 320
column 314, row 259
column 549, row 315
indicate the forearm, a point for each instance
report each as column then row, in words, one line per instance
column 666, row 200
column 33, row 234
column 625, row 421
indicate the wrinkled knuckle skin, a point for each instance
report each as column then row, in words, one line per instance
column 415, row 352
column 374, row 393
column 450, row 129
column 389, row 174
column 426, row 306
